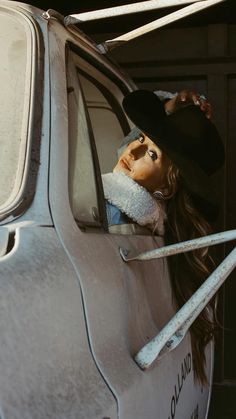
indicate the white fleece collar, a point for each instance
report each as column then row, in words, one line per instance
column 134, row 200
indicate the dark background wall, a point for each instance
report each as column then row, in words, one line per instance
column 198, row 52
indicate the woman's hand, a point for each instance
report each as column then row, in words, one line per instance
column 188, row 97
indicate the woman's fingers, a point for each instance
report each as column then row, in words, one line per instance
column 188, row 97
column 205, row 106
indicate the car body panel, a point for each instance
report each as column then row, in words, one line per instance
column 73, row 314
column 47, row 370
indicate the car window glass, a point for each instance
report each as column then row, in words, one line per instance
column 107, row 126
column 15, row 76
column 82, row 173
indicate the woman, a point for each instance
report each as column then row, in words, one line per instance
column 163, row 181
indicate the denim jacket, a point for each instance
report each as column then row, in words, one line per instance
column 115, row 216
column 120, row 223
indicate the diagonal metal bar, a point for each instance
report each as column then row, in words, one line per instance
column 143, row 6
column 172, row 334
column 171, row 17
column 186, row 246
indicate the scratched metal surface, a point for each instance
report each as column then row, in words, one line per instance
column 47, row 370
column 57, row 360
column 125, row 305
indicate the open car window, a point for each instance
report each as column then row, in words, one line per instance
column 83, row 167
column 97, row 127
column 107, row 119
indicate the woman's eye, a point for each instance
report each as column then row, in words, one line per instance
column 141, row 139
column 152, row 154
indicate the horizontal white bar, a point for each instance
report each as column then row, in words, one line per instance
column 126, row 9
column 171, row 17
column 175, row 330
column 186, row 246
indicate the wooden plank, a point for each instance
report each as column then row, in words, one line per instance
column 164, row 45
column 217, row 40
column 174, row 71
column 230, row 288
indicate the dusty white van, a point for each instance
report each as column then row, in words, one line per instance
column 73, row 314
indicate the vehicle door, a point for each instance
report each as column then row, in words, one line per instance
column 47, row 369
column 125, row 304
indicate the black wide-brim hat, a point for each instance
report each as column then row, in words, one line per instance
column 188, row 138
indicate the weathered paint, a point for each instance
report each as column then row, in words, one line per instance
column 72, row 313
column 185, row 246
column 109, row 12
column 163, row 21
column 124, row 305
column 47, row 370
column 173, row 333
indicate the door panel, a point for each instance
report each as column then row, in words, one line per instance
column 122, row 316
column 125, row 304
column 47, row 370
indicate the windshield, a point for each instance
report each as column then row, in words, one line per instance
column 15, row 72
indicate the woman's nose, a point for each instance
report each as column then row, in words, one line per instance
column 137, row 150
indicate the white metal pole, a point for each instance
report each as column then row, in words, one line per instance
column 126, row 9
column 186, row 246
column 186, row 315
column 171, row 17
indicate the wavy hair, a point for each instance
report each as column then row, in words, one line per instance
column 189, row 270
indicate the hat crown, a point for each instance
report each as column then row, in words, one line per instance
column 194, row 136
column 187, row 131
column 187, row 137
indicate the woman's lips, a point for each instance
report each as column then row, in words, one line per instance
column 124, row 164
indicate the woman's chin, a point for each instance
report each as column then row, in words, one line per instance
column 119, row 168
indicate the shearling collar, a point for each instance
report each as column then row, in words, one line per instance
column 134, row 200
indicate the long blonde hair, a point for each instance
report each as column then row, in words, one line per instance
column 189, row 270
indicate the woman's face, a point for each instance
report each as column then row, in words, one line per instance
column 145, row 163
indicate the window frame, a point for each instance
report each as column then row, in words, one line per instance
column 25, row 186
column 117, row 108
column 99, row 212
